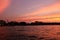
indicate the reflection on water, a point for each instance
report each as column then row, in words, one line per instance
column 46, row 32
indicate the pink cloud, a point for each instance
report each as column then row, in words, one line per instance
column 4, row 4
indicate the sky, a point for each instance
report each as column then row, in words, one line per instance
column 30, row 10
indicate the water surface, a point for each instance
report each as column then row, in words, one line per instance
column 45, row 32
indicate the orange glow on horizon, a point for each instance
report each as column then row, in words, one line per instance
column 52, row 11
column 46, row 18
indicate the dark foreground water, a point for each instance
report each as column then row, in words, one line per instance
column 46, row 32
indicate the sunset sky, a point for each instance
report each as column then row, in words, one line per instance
column 30, row 10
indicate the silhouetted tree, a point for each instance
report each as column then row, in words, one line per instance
column 12, row 23
column 2, row 22
column 32, row 23
column 22, row 23
column 36, row 23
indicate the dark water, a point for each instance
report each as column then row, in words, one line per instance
column 46, row 32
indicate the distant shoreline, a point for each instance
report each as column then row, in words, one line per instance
column 14, row 23
column 33, row 25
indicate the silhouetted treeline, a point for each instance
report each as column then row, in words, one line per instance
column 14, row 23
